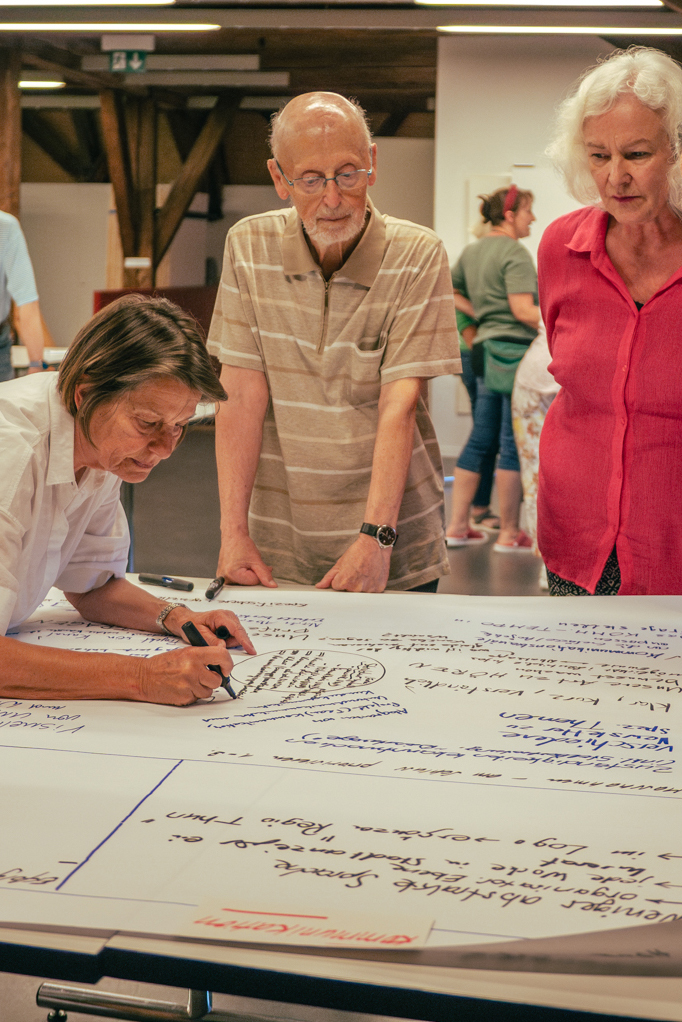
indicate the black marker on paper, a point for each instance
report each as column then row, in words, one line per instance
column 215, row 587
column 196, row 639
column 168, row 581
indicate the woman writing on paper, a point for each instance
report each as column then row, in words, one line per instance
column 609, row 517
column 125, row 393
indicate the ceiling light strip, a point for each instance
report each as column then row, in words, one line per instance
column 85, row 3
column 575, row 4
column 96, row 27
column 602, row 30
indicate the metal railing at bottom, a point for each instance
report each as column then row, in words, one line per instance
column 89, row 1001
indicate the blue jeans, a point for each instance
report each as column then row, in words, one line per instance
column 472, row 383
column 6, row 371
column 492, row 424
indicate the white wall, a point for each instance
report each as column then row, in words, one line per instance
column 239, row 201
column 404, row 185
column 184, row 264
column 495, row 103
column 66, row 231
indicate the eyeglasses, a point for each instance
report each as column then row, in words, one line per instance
column 311, row 184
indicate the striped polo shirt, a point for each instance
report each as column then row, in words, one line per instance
column 326, row 348
column 17, row 281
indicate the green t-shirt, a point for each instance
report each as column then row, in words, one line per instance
column 486, row 272
column 463, row 321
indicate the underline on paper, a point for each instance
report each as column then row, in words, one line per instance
column 117, row 827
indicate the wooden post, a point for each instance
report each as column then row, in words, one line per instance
column 118, row 160
column 143, row 162
column 129, row 130
column 10, row 131
column 185, row 185
column 146, row 190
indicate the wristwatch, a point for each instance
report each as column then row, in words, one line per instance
column 165, row 611
column 385, row 535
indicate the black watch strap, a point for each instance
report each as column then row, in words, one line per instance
column 385, row 535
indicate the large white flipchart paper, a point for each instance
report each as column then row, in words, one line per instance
column 505, row 768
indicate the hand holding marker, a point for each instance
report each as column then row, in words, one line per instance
column 195, row 638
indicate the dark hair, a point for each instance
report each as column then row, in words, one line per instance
column 492, row 206
column 128, row 343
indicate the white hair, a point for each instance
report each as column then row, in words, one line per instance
column 650, row 75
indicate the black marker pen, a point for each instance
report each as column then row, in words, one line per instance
column 168, row 581
column 215, row 587
column 196, row 639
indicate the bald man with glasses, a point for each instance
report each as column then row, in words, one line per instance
column 328, row 318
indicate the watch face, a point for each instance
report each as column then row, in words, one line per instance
column 386, row 535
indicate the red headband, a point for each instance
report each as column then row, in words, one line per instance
column 510, row 198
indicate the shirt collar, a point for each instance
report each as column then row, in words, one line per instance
column 60, row 466
column 590, row 236
column 590, row 233
column 363, row 263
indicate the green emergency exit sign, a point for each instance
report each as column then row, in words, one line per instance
column 129, row 61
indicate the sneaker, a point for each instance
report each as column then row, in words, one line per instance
column 470, row 538
column 523, row 544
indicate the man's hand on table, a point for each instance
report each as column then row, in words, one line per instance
column 241, row 564
column 363, row 568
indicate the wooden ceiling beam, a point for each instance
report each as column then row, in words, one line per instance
column 169, row 99
column 185, row 185
column 215, row 179
column 146, row 193
column 10, row 131
column 115, row 140
column 389, row 126
column 185, row 127
column 39, row 128
column 44, row 57
column 89, row 142
column 346, row 80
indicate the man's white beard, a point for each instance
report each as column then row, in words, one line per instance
column 326, row 235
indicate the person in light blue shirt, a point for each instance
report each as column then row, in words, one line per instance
column 17, row 284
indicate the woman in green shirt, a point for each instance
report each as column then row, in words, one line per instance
column 496, row 284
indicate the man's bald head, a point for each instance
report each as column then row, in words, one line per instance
column 320, row 113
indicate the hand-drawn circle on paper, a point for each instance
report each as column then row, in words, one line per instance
column 306, row 671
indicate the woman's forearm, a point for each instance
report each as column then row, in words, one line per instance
column 525, row 310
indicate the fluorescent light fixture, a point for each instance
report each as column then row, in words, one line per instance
column 40, row 80
column 95, row 27
column 540, row 3
column 85, row 3
column 556, row 30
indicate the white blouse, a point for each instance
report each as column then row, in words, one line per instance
column 53, row 530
